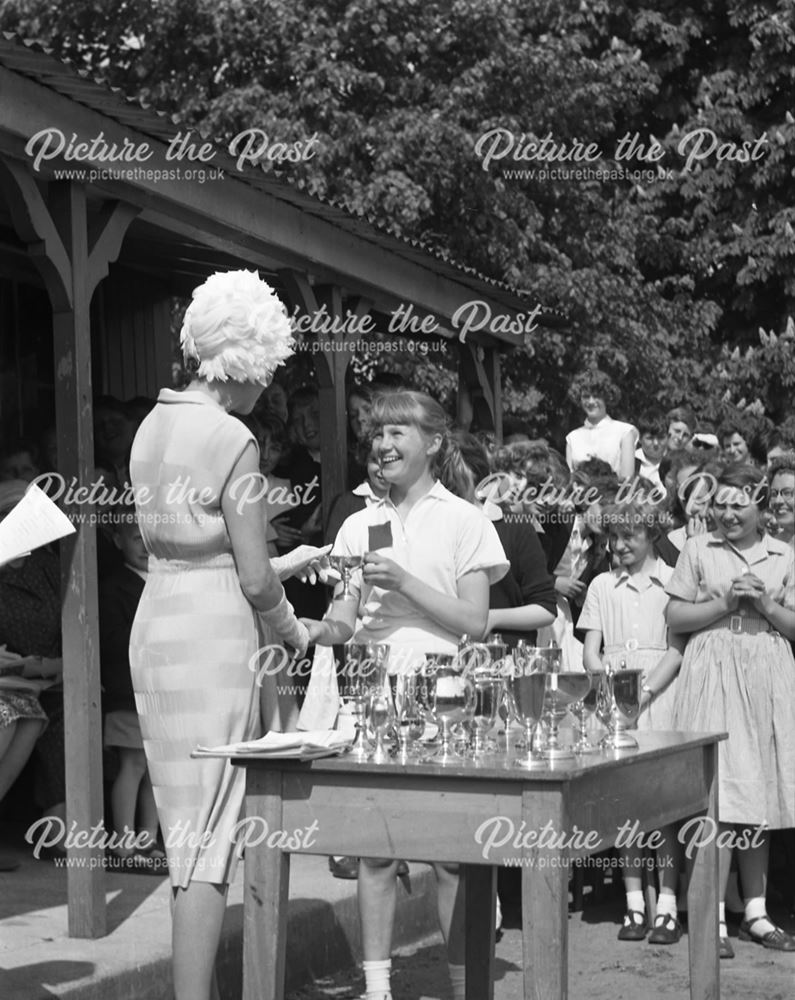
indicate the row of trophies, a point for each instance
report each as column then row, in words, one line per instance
column 462, row 694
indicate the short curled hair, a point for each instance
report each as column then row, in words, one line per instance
column 749, row 479
column 592, row 380
column 784, row 463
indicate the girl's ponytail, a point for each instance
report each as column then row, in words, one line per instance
column 452, row 471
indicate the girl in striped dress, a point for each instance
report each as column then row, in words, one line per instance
column 733, row 592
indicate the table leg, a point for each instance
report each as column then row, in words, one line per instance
column 267, row 880
column 545, row 905
column 480, row 886
column 702, row 897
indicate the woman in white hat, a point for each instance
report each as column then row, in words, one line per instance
column 194, row 643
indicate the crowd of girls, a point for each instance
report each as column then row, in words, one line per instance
column 661, row 545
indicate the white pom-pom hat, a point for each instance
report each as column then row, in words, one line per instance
column 237, row 328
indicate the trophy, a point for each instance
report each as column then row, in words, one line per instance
column 486, row 663
column 488, row 695
column 363, row 670
column 618, row 706
column 562, row 689
column 409, row 718
column 345, row 565
column 581, row 710
column 526, row 686
column 451, row 692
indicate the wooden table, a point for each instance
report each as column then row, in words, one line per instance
column 480, row 816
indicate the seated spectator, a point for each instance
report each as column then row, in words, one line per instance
column 30, row 625
column 20, row 460
column 131, row 793
column 22, row 719
column 114, row 430
column 273, row 402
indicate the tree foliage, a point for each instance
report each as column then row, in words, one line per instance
column 661, row 276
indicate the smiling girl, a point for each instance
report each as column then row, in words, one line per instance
column 733, row 592
column 429, row 559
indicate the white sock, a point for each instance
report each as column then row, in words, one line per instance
column 498, row 911
column 722, row 932
column 376, row 979
column 666, row 903
column 755, row 907
column 458, row 980
column 636, row 900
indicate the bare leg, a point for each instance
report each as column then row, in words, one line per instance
column 377, row 892
column 752, row 862
column 16, row 745
column 669, row 859
column 198, row 918
column 631, row 860
column 124, row 795
column 450, row 903
column 147, row 810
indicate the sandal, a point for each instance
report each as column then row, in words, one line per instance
column 666, row 930
column 634, row 928
column 777, row 939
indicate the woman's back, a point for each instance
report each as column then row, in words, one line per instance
column 180, row 462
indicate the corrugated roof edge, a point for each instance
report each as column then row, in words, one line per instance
column 48, row 68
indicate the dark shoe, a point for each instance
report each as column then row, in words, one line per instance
column 634, row 928
column 666, row 930
column 346, row 867
column 777, row 939
column 725, row 950
column 402, row 869
column 7, row 863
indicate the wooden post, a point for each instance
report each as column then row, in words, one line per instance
column 331, row 361
column 79, row 629
column 480, row 391
column 72, row 262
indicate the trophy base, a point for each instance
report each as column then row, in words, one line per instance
column 619, row 741
column 585, row 747
column 528, row 763
column 557, row 753
column 442, row 756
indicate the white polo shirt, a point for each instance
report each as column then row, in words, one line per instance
column 442, row 539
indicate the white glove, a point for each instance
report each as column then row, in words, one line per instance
column 307, row 562
column 284, row 623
